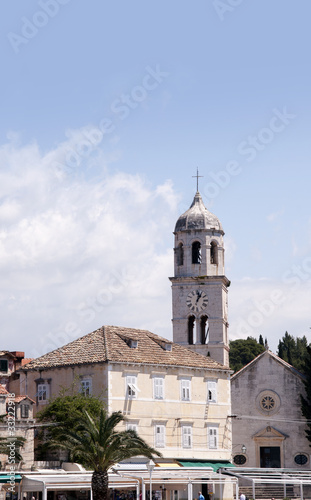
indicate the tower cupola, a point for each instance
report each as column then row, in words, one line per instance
column 199, row 247
column 198, row 217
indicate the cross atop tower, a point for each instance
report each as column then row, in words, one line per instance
column 197, row 176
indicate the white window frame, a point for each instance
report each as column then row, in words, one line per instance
column 132, row 426
column 24, row 410
column 212, row 437
column 159, row 435
column 212, row 391
column 131, row 387
column 86, row 386
column 158, row 387
column 185, row 389
column 186, row 433
column 43, row 393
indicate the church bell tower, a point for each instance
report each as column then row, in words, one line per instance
column 199, row 285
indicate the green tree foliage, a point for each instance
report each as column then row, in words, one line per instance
column 306, row 401
column 242, row 351
column 95, row 443
column 61, row 413
column 293, row 350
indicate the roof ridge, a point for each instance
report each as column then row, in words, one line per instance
column 273, row 355
column 107, row 344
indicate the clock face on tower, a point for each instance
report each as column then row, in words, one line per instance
column 197, row 300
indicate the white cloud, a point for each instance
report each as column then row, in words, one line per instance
column 79, row 251
column 275, row 216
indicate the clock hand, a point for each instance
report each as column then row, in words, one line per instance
column 199, row 294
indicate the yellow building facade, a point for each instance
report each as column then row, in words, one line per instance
column 176, row 399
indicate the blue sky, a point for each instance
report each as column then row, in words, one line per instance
column 107, row 111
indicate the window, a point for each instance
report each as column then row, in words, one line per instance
column 214, row 253
column 191, row 322
column 185, row 389
column 86, row 386
column 43, row 392
column 159, row 436
column 3, row 365
column 239, row 459
column 196, row 253
column 267, row 403
column 131, row 427
column 212, row 391
column 131, row 386
column 158, row 388
column 187, row 436
column 213, row 438
column 180, row 254
column 24, row 411
column 204, row 327
column 301, row 459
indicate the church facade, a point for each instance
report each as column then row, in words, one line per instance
column 268, row 429
column 176, row 399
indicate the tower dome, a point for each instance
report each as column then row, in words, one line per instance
column 198, row 217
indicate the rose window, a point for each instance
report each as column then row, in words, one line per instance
column 267, row 403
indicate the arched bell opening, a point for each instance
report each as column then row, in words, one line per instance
column 196, row 252
column 214, row 252
column 204, row 329
column 180, row 254
column 191, row 323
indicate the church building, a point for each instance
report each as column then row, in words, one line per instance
column 268, row 428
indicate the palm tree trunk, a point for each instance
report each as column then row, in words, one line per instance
column 100, row 485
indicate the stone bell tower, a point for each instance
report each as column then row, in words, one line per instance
column 199, row 285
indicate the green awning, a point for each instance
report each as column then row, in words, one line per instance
column 6, row 478
column 202, row 463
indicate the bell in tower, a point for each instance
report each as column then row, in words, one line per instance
column 199, row 285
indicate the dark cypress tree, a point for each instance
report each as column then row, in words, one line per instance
column 306, row 401
column 260, row 340
column 242, row 351
column 293, row 350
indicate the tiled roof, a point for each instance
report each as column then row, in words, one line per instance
column 112, row 343
column 26, row 360
column 18, row 399
column 3, row 390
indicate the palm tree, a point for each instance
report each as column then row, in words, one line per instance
column 11, row 446
column 96, row 444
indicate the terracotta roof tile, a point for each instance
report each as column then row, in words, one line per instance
column 18, row 399
column 112, row 343
column 3, row 390
column 26, row 360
